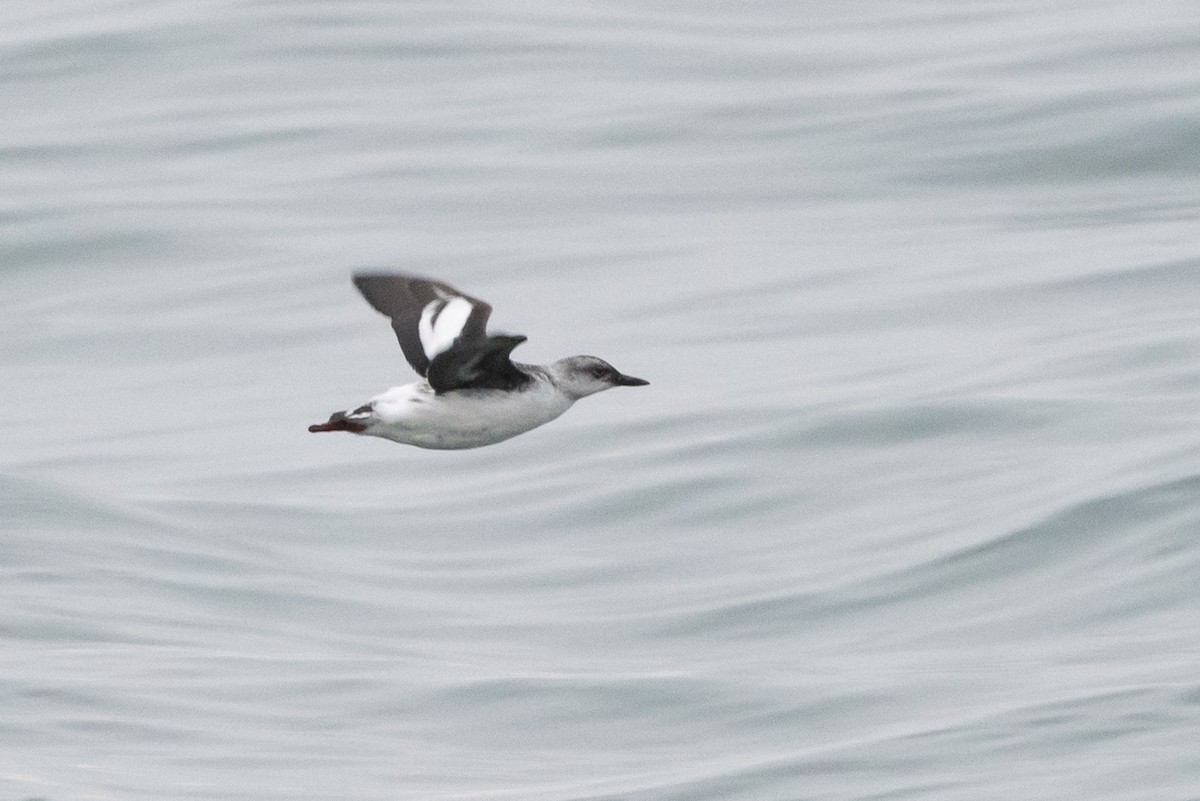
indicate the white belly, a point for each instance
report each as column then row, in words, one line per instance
column 414, row 415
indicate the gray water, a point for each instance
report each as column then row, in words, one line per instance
column 909, row 510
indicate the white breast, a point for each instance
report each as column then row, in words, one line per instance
column 414, row 415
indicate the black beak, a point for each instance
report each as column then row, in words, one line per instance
column 629, row 381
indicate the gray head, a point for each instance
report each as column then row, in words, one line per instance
column 580, row 376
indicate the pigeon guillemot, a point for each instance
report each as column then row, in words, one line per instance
column 472, row 393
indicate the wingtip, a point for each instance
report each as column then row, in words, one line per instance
column 361, row 277
column 368, row 275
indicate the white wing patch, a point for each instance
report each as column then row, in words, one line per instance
column 438, row 335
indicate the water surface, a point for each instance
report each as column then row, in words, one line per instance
column 908, row 511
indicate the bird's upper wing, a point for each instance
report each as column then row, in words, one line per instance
column 443, row 332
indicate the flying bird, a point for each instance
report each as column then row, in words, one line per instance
column 471, row 392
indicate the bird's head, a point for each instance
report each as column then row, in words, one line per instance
column 580, row 376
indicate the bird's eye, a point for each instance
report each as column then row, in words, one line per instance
column 598, row 372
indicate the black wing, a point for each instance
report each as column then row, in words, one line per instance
column 443, row 332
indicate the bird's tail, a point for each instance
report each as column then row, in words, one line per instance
column 338, row 421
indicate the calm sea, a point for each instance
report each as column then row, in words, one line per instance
column 909, row 511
